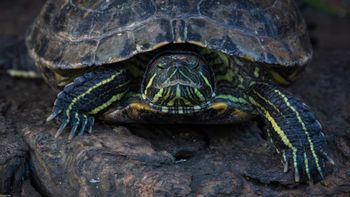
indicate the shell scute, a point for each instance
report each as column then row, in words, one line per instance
column 71, row 34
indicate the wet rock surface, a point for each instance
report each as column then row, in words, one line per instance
column 168, row 160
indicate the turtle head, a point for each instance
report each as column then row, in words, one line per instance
column 178, row 81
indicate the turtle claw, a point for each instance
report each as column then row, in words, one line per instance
column 285, row 162
column 74, row 127
column 306, row 163
column 53, row 115
column 62, row 127
column 91, row 122
column 291, row 156
column 327, row 157
column 296, row 175
column 83, row 126
column 76, row 120
column 296, row 165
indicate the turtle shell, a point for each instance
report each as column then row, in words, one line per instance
column 71, row 34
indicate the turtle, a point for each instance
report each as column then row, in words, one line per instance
column 175, row 62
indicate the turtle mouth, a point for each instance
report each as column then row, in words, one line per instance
column 179, row 95
column 180, row 109
column 175, row 82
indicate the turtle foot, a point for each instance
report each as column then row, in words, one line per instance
column 80, row 101
column 293, row 128
column 76, row 120
column 307, row 163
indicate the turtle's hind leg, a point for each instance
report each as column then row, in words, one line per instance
column 294, row 129
column 88, row 95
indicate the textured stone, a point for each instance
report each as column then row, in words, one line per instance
column 13, row 154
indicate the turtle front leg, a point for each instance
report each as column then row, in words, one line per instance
column 89, row 94
column 294, row 129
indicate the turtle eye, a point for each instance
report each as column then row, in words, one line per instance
column 160, row 66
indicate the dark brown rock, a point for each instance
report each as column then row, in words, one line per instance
column 28, row 190
column 13, row 154
column 112, row 162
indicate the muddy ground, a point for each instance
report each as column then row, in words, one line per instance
column 177, row 160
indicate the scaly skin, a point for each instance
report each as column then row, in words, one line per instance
column 89, row 94
column 184, row 84
column 293, row 128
